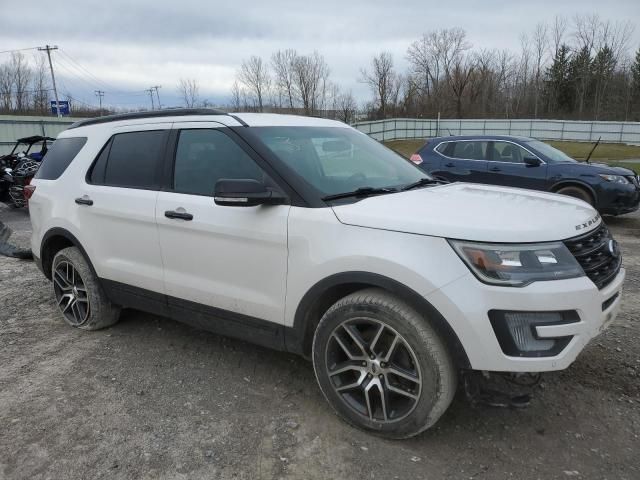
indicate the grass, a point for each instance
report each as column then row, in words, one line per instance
column 607, row 152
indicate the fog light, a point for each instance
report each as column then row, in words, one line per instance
column 517, row 335
column 521, row 326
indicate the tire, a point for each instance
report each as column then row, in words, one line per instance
column 79, row 296
column 379, row 319
column 577, row 192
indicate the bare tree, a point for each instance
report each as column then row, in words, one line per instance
column 382, row 80
column 189, row 90
column 41, row 84
column 22, row 75
column 540, row 42
column 283, row 63
column 254, row 75
column 6, row 87
column 311, row 81
column 236, row 97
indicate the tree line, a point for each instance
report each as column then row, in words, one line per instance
column 571, row 69
column 580, row 68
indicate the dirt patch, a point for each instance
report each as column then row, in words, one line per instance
column 150, row 398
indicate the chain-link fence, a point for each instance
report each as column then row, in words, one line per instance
column 406, row 128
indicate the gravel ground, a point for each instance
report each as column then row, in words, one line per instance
column 151, row 398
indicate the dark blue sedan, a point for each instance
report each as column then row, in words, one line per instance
column 529, row 163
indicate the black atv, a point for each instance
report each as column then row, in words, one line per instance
column 18, row 168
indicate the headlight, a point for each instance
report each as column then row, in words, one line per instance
column 518, row 265
column 614, row 178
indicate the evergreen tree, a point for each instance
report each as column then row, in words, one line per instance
column 558, row 94
column 580, row 74
column 635, row 88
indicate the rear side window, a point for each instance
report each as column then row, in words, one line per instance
column 464, row 150
column 130, row 160
column 59, row 157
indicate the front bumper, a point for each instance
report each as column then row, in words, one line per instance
column 619, row 200
column 466, row 303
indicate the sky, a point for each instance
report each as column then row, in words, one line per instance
column 126, row 46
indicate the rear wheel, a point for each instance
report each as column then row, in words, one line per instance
column 78, row 293
column 381, row 366
column 577, row 192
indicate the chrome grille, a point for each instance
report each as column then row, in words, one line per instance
column 598, row 255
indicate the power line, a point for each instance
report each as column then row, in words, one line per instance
column 156, row 87
column 19, row 50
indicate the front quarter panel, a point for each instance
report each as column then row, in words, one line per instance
column 320, row 246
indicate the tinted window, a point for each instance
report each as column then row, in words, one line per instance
column 508, row 152
column 464, row 150
column 205, row 156
column 59, row 157
column 100, row 165
column 134, row 158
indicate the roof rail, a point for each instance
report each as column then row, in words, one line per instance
column 168, row 112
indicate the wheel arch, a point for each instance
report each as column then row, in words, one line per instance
column 55, row 240
column 575, row 183
column 326, row 292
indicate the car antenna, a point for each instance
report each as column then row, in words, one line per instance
column 450, row 134
column 594, row 147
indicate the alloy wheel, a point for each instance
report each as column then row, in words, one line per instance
column 373, row 369
column 71, row 293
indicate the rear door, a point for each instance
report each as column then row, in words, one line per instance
column 507, row 167
column 116, row 207
column 230, row 259
column 462, row 161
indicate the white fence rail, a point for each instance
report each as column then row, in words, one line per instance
column 407, row 128
column 13, row 127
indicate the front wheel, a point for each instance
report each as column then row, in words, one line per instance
column 381, row 366
column 577, row 192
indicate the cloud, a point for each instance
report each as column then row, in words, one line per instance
column 131, row 45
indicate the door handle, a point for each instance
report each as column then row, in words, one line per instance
column 449, row 165
column 495, row 169
column 180, row 215
column 84, row 200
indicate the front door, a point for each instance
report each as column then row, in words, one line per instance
column 228, row 259
column 507, row 167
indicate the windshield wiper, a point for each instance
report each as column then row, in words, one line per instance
column 422, row 182
column 360, row 192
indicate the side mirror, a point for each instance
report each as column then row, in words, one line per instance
column 245, row 193
column 531, row 161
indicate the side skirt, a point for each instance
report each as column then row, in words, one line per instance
column 216, row 320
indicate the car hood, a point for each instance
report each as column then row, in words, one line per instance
column 595, row 169
column 473, row 212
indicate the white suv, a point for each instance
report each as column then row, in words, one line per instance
column 306, row 235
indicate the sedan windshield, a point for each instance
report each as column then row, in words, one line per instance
column 551, row 153
column 338, row 160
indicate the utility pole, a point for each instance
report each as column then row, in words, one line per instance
column 100, row 94
column 150, row 90
column 48, row 49
column 156, row 87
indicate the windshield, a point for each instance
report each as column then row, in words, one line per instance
column 550, row 152
column 336, row 160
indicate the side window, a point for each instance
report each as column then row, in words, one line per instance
column 205, row 156
column 508, row 152
column 466, row 150
column 96, row 175
column 59, row 157
column 130, row 160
